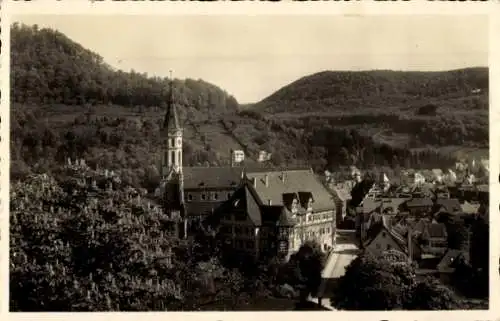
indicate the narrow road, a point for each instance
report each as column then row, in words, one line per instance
column 344, row 253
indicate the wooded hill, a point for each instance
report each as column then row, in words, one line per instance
column 67, row 102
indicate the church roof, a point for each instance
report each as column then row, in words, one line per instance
column 171, row 120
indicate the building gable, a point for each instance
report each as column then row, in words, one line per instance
column 384, row 241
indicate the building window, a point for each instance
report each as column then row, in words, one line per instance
column 203, row 196
column 250, row 245
column 328, row 230
column 228, row 195
column 172, row 158
column 388, row 247
column 383, row 234
column 190, row 197
column 215, row 196
column 377, row 246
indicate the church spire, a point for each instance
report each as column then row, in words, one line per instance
column 171, row 121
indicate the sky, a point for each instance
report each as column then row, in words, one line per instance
column 253, row 56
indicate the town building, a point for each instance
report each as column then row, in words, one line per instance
column 275, row 212
column 257, row 210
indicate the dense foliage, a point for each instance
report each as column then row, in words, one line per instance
column 89, row 243
column 49, row 68
column 374, row 283
column 350, row 90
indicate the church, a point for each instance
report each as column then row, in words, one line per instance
column 259, row 211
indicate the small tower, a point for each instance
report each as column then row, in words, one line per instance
column 172, row 185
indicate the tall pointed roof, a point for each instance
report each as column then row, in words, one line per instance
column 171, row 120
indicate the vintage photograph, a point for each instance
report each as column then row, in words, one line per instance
column 249, row 163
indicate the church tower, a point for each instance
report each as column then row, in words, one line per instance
column 171, row 164
column 172, row 131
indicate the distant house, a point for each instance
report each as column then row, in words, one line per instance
column 418, row 206
column 447, row 205
column 447, row 265
column 341, row 195
column 436, row 238
column 382, row 237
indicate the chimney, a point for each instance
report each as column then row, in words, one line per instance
column 269, row 202
column 254, row 181
column 283, row 177
column 266, row 180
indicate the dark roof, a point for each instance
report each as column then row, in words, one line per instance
column 247, row 200
column 419, row 202
column 291, row 181
column 171, row 121
column 446, row 265
column 450, row 205
column 243, row 199
column 211, row 177
column 225, row 176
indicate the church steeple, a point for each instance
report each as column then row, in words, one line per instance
column 172, row 156
column 171, row 163
column 171, row 121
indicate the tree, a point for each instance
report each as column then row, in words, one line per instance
column 307, row 265
column 431, row 295
column 374, row 283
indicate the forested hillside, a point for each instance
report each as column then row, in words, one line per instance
column 348, row 90
column 68, row 103
column 49, row 68
column 404, row 109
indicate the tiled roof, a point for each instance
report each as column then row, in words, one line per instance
column 291, row 181
column 223, row 176
column 419, row 202
column 211, row 177
column 342, row 193
column 246, row 200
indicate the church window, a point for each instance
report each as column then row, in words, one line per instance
column 172, row 158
